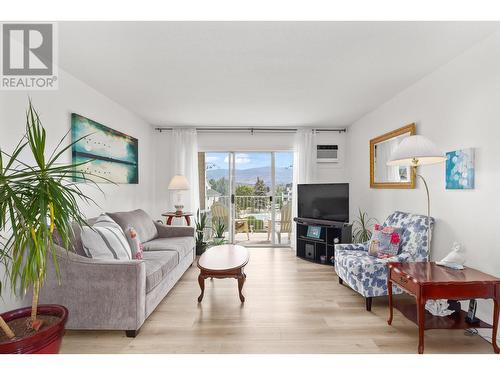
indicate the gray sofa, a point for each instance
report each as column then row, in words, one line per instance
column 119, row 294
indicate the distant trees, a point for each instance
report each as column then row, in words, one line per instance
column 244, row 191
column 221, row 185
column 260, row 187
column 261, row 190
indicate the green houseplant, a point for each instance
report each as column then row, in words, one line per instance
column 361, row 231
column 200, row 226
column 219, row 229
column 217, row 241
column 35, row 200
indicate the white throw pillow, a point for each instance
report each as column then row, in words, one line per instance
column 105, row 240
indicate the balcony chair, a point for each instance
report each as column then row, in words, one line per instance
column 221, row 213
column 285, row 222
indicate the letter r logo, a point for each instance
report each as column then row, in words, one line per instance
column 27, row 49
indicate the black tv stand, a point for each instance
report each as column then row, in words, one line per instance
column 321, row 250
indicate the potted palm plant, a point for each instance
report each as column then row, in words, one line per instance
column 35, row 200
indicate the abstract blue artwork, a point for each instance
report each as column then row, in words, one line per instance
column 460, row 169
column 106, row 152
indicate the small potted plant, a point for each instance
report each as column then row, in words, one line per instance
column 35, row 200
column 200, row 226
column 361, row 227
column 219, row 229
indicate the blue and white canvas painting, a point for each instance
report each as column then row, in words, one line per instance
column 460, row 169
column 109, row 153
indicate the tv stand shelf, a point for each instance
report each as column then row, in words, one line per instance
column 321, row 250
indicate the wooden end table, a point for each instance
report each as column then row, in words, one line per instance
column 426, row 280
column 170, row 216
column 221, row 262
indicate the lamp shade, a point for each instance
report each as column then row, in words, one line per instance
column 178, row 182
column 416, row 150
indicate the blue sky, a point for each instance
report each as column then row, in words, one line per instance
column 246, row 160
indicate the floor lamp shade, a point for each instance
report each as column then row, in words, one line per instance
column 416, row 150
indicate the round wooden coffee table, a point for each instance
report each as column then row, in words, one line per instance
column 221, row 262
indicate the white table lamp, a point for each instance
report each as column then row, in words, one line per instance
column 414, row 151
column 178, row 183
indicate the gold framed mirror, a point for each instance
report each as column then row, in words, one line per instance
column 383, row 176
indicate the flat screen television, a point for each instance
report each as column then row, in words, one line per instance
column 323, row 202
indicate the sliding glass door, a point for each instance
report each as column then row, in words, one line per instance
column 252, row 189
column 250, row 194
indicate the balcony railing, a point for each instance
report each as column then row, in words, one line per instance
column 255, row 209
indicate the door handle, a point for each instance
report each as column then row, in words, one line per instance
column 232, row 198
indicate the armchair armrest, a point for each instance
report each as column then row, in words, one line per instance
column 99, row 294
column 352, row 246
column 165, row 231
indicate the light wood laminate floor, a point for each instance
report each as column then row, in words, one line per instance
column 292, row 306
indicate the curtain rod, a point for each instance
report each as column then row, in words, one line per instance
column 255, row 130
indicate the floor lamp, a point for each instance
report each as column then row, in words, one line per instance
column 414, row 151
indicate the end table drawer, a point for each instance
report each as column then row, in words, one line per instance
column 403, row 281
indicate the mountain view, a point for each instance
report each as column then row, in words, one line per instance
column 249, row 176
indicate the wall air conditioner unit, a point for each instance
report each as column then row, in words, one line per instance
column 327, row 153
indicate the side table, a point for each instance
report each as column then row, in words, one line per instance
column 426, row 280
column 170, row 216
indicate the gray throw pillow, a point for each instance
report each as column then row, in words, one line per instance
column 105, row 240
column 139, row 220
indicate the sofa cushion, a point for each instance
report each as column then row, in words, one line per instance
column 181, row 245
column 140, row 220
column 105, row 240
column 75, row 239
column 366, row 274
column 360, row 262
column 158, row 265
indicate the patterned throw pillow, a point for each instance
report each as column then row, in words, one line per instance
column 105, row 240
column 134, row 242
column 385, row 242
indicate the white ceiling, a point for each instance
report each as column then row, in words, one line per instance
column 259, row 73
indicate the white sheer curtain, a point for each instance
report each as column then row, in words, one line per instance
column 184, row 158
column 304, row 166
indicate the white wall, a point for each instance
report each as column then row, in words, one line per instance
column 457, row 106
column 55, row 108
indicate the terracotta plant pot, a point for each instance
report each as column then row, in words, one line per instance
column 46, row 341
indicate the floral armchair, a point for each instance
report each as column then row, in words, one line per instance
column 367, row 274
